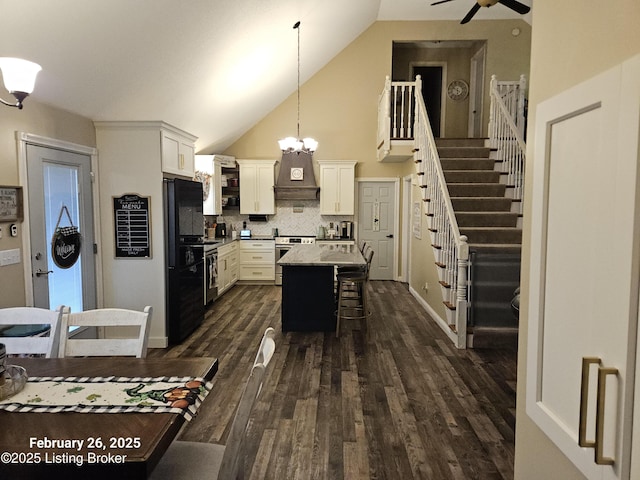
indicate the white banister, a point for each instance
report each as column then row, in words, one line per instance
column 452, row 250
column 384, row 117
column 506, row 136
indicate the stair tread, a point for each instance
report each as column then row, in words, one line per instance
column 488, row 212
column 470, row 159
column 494, row 247
column 476, row 228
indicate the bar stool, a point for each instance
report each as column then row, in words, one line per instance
column 351, row 292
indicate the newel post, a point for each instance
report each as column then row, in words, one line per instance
column 520, row 120
column 492, row 112
column 461, row 292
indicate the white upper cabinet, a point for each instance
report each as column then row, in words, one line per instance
column 337, row 187
column 178, row 152
column 584, row 273
column 257, row 179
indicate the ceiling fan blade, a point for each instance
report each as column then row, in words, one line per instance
column 515, row 6
column 441, row 1
column 471, row 13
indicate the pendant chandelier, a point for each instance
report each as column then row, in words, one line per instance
column 19, row 78
column 295, row 144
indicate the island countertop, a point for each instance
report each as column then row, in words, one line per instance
column 322, row 254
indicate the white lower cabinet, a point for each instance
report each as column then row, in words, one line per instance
column 227, row 266
column 258, row 260
column 585, row 271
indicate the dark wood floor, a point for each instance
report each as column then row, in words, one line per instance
column 401, row 403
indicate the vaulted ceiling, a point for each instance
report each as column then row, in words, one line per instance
column 211, row 67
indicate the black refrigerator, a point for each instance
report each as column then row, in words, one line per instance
column 184, row 258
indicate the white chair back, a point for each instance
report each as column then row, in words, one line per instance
column 234, row 447
column 32, row 345
column 267, row 347
column 106, row 347
column 206, row 460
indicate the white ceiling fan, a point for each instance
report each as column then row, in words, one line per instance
column 512, row 4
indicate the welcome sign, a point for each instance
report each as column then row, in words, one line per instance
column 66, row 243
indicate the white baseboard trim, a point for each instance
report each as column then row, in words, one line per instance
column 158, row 342
column 438, row 319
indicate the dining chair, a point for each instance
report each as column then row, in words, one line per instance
column 36, row 344
column 224, row 462
column 134, row 345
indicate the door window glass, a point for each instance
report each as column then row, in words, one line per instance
column 61, row 189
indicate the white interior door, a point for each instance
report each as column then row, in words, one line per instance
column 476, row 93
column 585, row 256
column 58, row 179
column 377, row 225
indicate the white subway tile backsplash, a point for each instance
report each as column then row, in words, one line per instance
column 292, row 217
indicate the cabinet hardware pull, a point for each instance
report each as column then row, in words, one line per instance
column 602, row 393
column 584, row 402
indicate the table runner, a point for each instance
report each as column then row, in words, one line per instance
column 181, row 395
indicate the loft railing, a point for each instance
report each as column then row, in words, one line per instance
column 507, row 124
column 451, row 248
column 396, row 113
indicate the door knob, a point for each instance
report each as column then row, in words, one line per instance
column 390, row 235
column 40, row 272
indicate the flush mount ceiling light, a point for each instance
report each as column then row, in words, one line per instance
column 19, row 78
column 295, row 144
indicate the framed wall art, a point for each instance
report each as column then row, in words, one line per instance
column 10, row 204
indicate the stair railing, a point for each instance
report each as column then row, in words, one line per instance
column 396, row 112
column 506, row 130
column 452, row 250
column 384, row 118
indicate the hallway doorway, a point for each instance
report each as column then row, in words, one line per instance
column 432, row 79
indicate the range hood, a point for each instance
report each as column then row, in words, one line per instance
column 296, row 180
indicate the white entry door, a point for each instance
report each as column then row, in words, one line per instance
column 377, row 225
column 59, row 182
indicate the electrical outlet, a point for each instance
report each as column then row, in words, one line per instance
column 426, row 286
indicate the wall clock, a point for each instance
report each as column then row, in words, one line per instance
column 297, row 173
column 458, row 90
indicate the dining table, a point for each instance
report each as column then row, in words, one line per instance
column 93, row 445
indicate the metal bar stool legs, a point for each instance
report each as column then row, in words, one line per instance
column 352, row 303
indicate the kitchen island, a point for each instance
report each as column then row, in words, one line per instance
column 308, row 275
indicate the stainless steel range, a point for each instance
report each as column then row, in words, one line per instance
column 284, row 244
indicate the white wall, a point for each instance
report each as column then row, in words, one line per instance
column 129, row 162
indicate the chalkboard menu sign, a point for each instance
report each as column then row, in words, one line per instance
column 132, row 214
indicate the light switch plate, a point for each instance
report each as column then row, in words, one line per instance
column 9, row 257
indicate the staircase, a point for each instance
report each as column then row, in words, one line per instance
column 489, row 218
column 471, row 191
